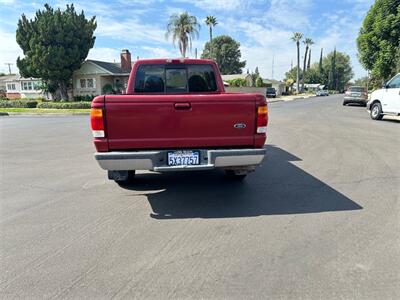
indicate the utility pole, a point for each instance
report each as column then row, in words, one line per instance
column 273, row 60
column 195, row 52
column 367, row 80
column 9, row 67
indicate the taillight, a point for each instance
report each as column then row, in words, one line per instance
column 97, row 122
column 262, row 118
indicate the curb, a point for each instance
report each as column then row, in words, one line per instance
column 42, row 114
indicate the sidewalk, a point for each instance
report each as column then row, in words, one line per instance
column 289, row 98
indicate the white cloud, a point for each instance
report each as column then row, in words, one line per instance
column 7, row 2
column 129, row 30
column 293, row 14
column 218, row 4
column 158, row 52
column 9, row 50
column 104, row 54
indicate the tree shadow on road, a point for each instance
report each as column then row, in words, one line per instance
column 276, row 188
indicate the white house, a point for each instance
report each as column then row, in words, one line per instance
column 19, row 87
column 94, row 75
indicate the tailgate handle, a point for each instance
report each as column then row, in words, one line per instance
column 181, row 106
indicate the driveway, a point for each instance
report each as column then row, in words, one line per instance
column 319, row 219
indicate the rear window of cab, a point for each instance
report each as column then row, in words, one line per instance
column 175, row 79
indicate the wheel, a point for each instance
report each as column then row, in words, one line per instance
column 376, row 111
column 235, row 175
column 344, row 103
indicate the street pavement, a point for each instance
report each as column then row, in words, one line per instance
column 318, row 220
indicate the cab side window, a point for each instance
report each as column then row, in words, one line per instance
column 394, row 83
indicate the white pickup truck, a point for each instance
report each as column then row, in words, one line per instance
column 385, row 101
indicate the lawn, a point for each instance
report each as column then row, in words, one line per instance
column 44, row 111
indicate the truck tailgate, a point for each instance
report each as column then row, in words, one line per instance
column 180, row 121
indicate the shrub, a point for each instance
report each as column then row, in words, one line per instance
column 238, row 82
column 108, row 89
column 84, row 98
column 65, row 105
column 18, row 103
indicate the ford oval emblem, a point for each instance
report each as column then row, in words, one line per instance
column 240, row 125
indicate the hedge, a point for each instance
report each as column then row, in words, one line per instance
column 64, row 105
column 18, row 103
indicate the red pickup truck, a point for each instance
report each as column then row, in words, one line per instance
column 176, row 116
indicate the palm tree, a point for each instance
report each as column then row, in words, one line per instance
column 297, row 36
column 211, row 21
column 183, row 28
column 308, row 42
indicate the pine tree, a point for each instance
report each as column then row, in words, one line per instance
column 320, row 62
column 55, row 44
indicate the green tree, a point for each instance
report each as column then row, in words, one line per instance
column 292, row 74
column 379, row 39
column 259, row 82
column 338, row 71
column 320, row 62
column 313, row 75
column 363, row 81
column 255, row 76
column 226, row 53
column 211, row 22
column 332, row 76
column 183, row 28
column 55, row 43
column 297, row 36
column 238, row 82
column 308, row 42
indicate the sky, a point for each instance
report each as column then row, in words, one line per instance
column 263, row 28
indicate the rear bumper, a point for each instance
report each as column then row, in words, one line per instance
column 157, row 160
column 355, row 100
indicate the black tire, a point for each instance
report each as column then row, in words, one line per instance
column 232, row 174
column 344, row 103
column 376, row 111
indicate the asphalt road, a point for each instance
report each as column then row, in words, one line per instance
column 319, row 219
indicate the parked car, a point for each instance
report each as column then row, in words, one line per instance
column 356, row 94
column 176, row 116
column 322, row 92
column 385, row 101
column 271, row 92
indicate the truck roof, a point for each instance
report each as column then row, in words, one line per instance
column 178, row 60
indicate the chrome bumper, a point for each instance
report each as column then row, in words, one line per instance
column 157, row 160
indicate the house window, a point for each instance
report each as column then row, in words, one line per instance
column 82, row 83
column 11, row 86
column 90, row 83
column 27, row 86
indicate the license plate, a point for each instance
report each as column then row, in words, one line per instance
column 355, row 94
column 183, row 158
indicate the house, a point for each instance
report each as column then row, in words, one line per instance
column 279, row 86
column 310, row 87
column 19, row 87
column 246, row 77
column 3, row 79
column 98, row 77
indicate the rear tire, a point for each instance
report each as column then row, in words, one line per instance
column 376, row 111
column 235, row 175
column 344, row 103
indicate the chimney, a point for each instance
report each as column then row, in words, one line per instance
column 126, row 62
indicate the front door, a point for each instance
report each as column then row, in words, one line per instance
column 391, row 96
